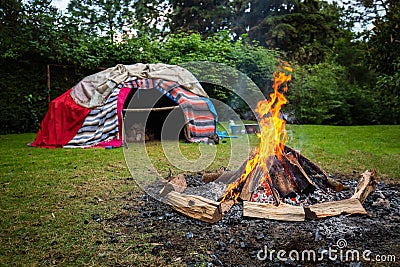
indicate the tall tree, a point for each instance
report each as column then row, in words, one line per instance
column 203, row 16
column 384, row 47
column 305, row 29
column 99, row 17
column 384, row 42
column 11, row 21
column 259, row 15
column 149, row 16
column 36, row 23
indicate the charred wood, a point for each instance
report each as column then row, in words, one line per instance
column 280, row 180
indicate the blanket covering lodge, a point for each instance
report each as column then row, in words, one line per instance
column 90, row 114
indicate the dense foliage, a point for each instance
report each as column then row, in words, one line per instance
column 341, row 76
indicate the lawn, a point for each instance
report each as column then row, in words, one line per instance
column 53, row 201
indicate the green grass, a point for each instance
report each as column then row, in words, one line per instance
column 350, row 150
column 48, row 196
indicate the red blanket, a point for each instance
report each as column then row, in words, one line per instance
column 62, row 121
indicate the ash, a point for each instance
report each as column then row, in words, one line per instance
column 335, row 228
column 195, row 186
column 210, row 190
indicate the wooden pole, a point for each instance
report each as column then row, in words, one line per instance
column 48, row 84
column 149, row 109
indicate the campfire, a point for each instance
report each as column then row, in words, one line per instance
column 276, row 182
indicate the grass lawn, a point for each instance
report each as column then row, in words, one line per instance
column 51, row 199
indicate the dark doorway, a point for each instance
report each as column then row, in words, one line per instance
column 150, row 115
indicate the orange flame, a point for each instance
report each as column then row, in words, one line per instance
column 272, row 136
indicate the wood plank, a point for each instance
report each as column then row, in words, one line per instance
column 334, row 208
column 366, row 185
column 196, row 207
column 282, row 212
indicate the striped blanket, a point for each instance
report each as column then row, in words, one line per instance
column 101, row 124
column 199, row 111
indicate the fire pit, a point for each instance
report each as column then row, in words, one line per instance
column 276, row 182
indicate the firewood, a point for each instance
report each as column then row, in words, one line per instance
column 251, row 183
column 334, row 208
column 366, row 185
column 319, row 175
column 301, row 183
column 196, row 207
column 293, row 160
column 226, row 206
column 212, row 176
column 282, row 212
column 177, row 184
column 231, row 176
column 228, row 177
column 276, row 196
column 280, row 180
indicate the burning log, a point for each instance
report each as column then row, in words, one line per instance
column 196, row 207
column 252, row 181
column 334, row 208
column 287, row 177
column 228, row 177
column 282, row 212
column 309, row 168
column 366, row 185
column 280, row 181
column 297, row 170
column 303, row 183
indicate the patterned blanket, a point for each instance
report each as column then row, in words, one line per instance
column 100, row 125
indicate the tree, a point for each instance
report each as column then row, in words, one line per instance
column 36, row 23
column 384, row 58
column 384, row 43
column 203, row 16
column 99, row 17
column 318, row 94
column 11, row 21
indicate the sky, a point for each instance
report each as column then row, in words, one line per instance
column 60, row 4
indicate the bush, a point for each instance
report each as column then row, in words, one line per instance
column 387, row 92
